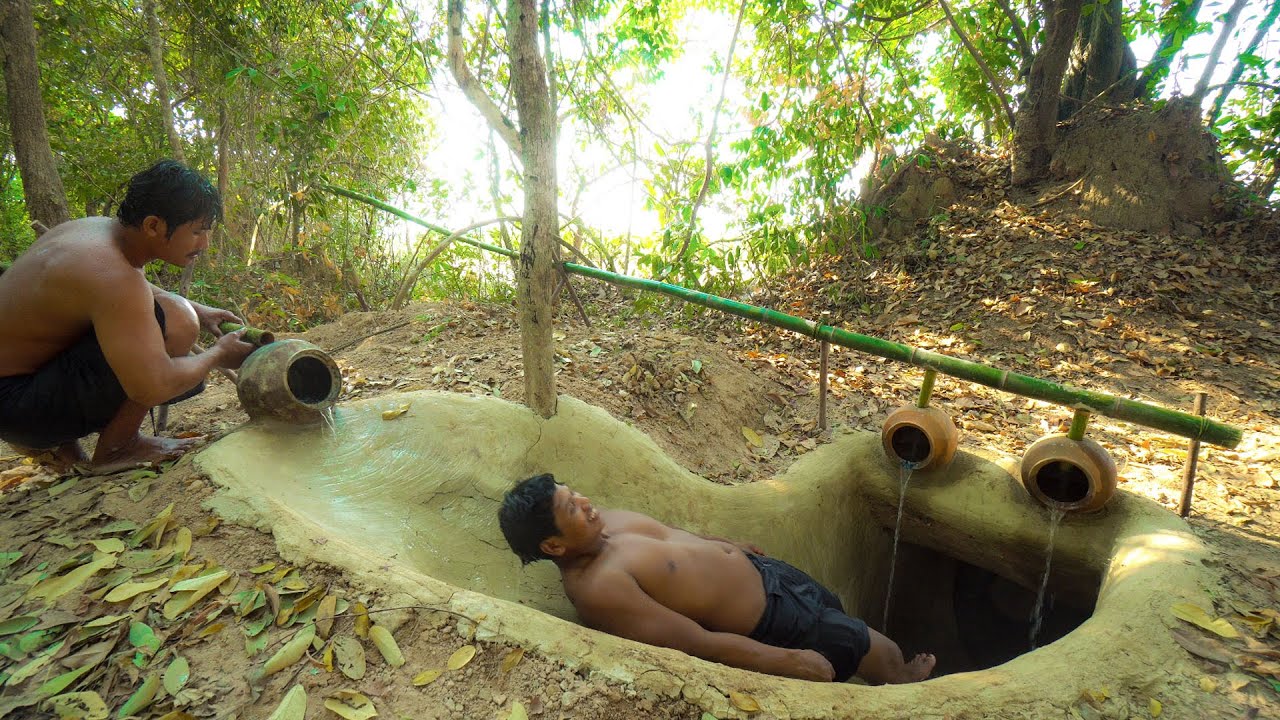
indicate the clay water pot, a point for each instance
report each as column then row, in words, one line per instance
column 290, row 380
column 1069, row 475
column 925, row 437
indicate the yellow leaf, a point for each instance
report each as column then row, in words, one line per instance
column 82, row 705
column 518, row 712
column 185, row 572
column 327, row 658
column 1208, row 684
column 512, row 659
column 397, row 412
column 141, row 698
column 129, row 590
column 156, row 525
column 324, row 615
column 291, row 652
column 426, row 677
column 744, row 702
column 110, row 545
column 351, row 705
column 461, row 657
column 189, row 592
column 55, row 587
column 386, row 645
column 361, row 614
column 210, row 630
column 1155, row 707
column 350, row 654
column 182, row 545
column 263, row 568
column 293, row 706
column 752, row 436
column 1196, row 615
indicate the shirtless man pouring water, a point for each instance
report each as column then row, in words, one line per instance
column 630, row 575
column 88, row 345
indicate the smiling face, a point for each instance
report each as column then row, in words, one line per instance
column 577, row 520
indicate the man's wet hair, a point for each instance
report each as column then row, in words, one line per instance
column 527, row 517
column 172, row 192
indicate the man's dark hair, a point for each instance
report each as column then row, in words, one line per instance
column 527, row 518
column 172, row 192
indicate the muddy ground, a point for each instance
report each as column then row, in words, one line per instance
column 1146, row 316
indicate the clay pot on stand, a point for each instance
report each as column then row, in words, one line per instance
column 924, row 437
column 1069, row 475
column 289, row 380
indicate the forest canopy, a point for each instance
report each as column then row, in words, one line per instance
column 701, row 142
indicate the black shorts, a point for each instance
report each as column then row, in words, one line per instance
column 74, row 394
column 800, row 613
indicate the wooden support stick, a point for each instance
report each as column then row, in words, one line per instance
column 1189, row 470
column 822, row 387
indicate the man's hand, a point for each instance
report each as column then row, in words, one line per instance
column 232, row 350
column 210, row 318
column 811, row 665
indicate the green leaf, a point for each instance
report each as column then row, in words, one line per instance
column 18, row 624
column 9, row 558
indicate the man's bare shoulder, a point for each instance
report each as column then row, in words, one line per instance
column 599, row 583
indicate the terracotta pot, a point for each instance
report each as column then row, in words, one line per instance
column 925, row 437
column 290, row 380
column 1069, row 475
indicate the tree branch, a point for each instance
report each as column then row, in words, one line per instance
column 982, row 64
column 411, row 277
column 711, row 137
column 1238, row 70
column 1229, row 23
column 1019, row 31
column 1170, row 44
column 471, row 87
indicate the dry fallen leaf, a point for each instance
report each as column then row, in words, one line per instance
column 512, row 659
column 395, row 413
column 351, row 705
column 350, row 654
column 1155, row 708
column 1196, row 615
column 293, row 706
column 386, row 645
column 130, row 590
column 426, row 677
column 744, row 702
column 291, row 652
column 752, row 436
column 518, row 712
column 461, row 657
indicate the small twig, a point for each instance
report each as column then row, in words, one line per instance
column 573, row 295
column 1059, row 194
column 359, row 340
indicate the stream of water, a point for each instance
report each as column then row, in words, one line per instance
column 1055, row 519
column 904, row 478
column 330, row 416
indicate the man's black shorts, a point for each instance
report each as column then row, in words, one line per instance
column 800, row 613
column 74, row 394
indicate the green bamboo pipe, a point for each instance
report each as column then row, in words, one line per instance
column 1079, row 422
column 926, row 388
column 253, row 336
column 1172, row 421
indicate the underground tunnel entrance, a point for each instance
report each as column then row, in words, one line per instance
column 972, row 618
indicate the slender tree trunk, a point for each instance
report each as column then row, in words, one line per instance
column 42, row 186
column 1238, row 70
column 1035, row 126
column 1170, row 44
column 155, row 42
column 536, row 277
column 1229, row 19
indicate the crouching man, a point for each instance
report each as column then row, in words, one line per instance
column 630, row 575
column 88, row 345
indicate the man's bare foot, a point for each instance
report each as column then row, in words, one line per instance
column 919, row 667
column 60, row 459
column 141, row 449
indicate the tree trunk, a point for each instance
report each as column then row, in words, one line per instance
column 1035, row 127
column 538, row 234
column 1101, row 62
column 1170, row 44
column 1229, row 19
column 155, row 42
column 46, row 199
column 1263, row 27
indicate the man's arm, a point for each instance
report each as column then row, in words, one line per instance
column 616, row 604
column 122, row 311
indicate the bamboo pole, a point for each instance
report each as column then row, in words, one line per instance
column 926, row 388
column 253, row 336
column 1138, row 413
column 1189, row 470
column 1079, row 423
column 822, row 386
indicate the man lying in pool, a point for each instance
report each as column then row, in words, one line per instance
column 630, row 575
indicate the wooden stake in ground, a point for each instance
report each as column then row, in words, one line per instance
column 1189, row 470
column 822, row 386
